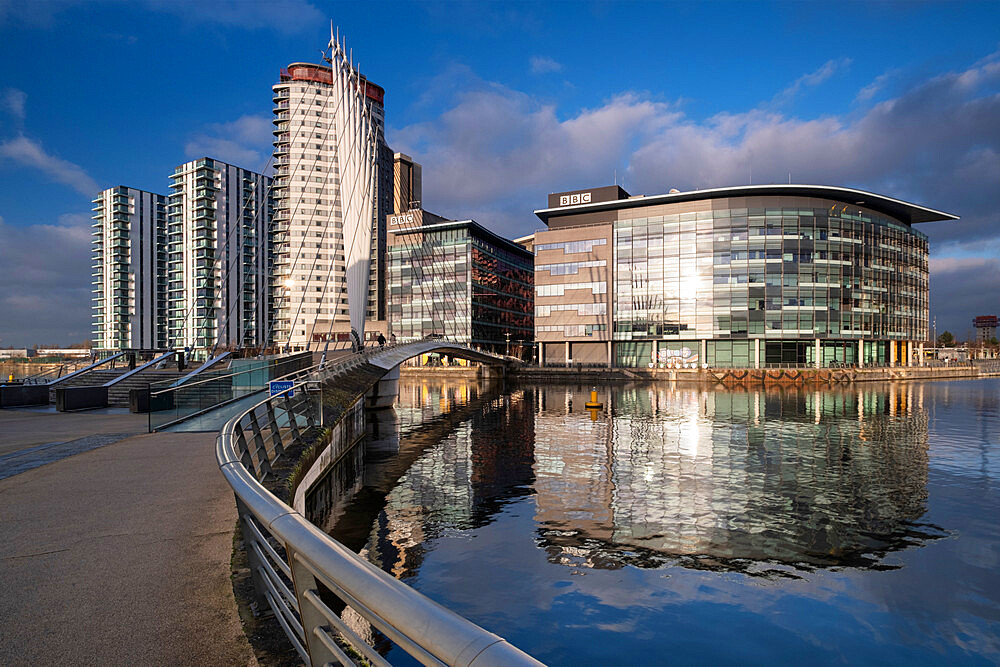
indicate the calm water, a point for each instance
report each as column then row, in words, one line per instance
column 686, row 525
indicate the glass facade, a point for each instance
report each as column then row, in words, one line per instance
column 832, row 272
column 455, row 280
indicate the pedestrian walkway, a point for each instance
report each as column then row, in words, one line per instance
column 119, row 555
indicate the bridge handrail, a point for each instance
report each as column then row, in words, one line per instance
column 290, row 583
column 215, row 378
column 139, row 369
column 86, row 368
column 205, row 366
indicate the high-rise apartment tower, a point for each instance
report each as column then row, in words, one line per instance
column 218, row 256
column 309, row 280
column 129, row 302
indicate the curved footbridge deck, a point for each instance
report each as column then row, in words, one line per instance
column 302, row 573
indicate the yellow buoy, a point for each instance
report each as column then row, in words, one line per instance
column 593, row 404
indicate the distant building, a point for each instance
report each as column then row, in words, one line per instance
column 407, row 176
column 129, row 262
column 742, row 276
column 217, row 256
column 63, row 352
column 526, row 242
column 15, row 353
column 986, row 327
column 458, row 280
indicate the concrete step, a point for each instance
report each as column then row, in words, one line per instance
column 119, row 394
column 98, row 376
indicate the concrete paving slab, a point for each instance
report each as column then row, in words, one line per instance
column 23, row 428
column 120, row 555
column 17, row 462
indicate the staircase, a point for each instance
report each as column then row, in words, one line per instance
column 98, row 376
column 118, row 394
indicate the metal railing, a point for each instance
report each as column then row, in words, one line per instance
column 169, row 404
column 987, row 365
column 109, row 361
column 46, row 376
column 298, row 570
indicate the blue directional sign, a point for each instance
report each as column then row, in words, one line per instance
column 277, row 387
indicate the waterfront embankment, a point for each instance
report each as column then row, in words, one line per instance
column 726, row 376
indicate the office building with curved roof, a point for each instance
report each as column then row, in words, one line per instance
column 745, row 276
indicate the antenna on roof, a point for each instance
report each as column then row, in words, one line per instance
column 616, row 176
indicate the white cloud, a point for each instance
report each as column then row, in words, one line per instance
column 14, row 100
column 825, row 71
column 26, row 152
column 494, row 153
column 877, row 84
column 46, row 272
column 544, row 65
column 500, row 150
column 245, row 142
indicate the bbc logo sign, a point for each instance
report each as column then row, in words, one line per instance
column 405, row 219
column 570, row 200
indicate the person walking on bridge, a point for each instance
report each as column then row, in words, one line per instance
column 381, row 341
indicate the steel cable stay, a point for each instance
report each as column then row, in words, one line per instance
column 326, row 228
column 371, row 154
column 331, row 270
column 363, row 172
column 358, row 286
column 344, row 212
column 278, row 306
column 340, row 290
column 267, row 234
column 298, row 203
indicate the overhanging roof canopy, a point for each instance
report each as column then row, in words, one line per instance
column 896, row 208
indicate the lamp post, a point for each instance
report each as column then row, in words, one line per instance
column 508, row 343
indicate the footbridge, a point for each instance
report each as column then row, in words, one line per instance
column 302, row 574
column 384, row 393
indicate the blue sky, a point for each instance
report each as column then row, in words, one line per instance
column 504, row 103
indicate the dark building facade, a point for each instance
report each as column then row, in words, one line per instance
column 459, row 280
column 747, row 276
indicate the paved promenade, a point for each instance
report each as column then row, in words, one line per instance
column 118, row 555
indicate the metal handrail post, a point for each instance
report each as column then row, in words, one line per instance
column 263, row 464
column 276, row 443
column 304, row 581
column 253, row 560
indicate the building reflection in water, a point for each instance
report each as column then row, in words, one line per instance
column 703, row 477
column 447, row 457
column 731, row 479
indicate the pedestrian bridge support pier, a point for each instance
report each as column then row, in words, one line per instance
column 384, row 393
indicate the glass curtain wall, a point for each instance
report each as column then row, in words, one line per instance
column 785, row 275
column 429, row 285
column 503, row 299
